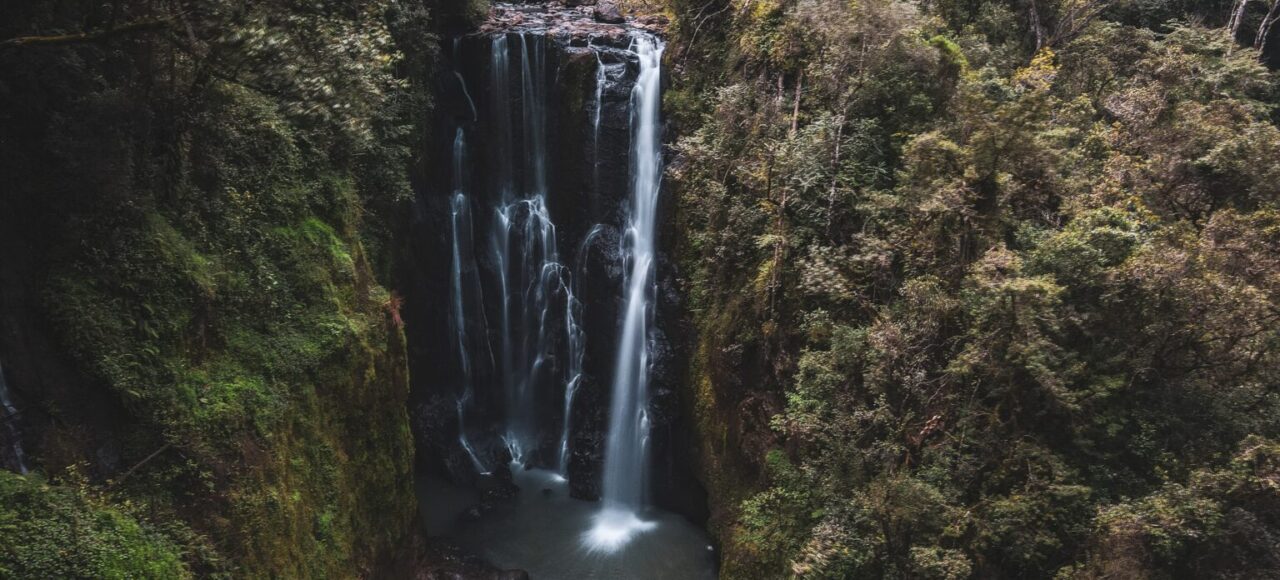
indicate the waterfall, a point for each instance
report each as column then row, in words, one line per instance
column 558, row 184
column 576, row 340
column 524, row 241
column 624, row 469
column 460, row 229
column 502, row 129
column 575, row 337
column 503, row 182
column 475, row 116
column 11, row 426
column 595, row 120
column 537, row 299
column 626, row 444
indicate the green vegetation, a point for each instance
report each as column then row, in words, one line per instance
column 1011, row 288
column 983, row 288
column 67, row 535
column 212, row 201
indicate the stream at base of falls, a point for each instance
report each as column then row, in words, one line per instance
column 550, row 535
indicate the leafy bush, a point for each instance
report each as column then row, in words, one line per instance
column 49, row 531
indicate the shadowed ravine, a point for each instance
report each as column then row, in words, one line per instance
column 648, row 289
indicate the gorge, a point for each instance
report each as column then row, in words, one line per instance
column 648, row 289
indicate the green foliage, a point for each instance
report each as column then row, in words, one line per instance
column 226, row 187
column 1221, row 523
column 49, row 531
column 1012, row 317
column 246, row 343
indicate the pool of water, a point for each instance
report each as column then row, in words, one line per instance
column 555, row 537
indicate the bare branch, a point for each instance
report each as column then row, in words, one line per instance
column 96, row 36
column 148, row 458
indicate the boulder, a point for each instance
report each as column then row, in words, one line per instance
column 655, row 20
column 422, row 558
column 607, row 11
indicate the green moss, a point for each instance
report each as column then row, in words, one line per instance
column 248, row 334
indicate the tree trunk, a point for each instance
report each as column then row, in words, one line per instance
column 1264, row 43
column 26, row 41
column 1237, row 17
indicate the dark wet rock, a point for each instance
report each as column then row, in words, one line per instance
column 471, row 514
column 607, row 11
column 435, row 426
column 422, row 558
column 588, row 459
column 497, row 486
column 477, row 512
column 573, row 24
column 654, row 20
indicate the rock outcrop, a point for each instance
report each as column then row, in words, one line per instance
column 576, row 21
column 607, row 11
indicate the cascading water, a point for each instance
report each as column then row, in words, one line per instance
column 574, row 333
column 524, row 243
column 576, row 340
column 596, row 110
column 11, row 427
column 500, row 241
column 460, row 229
column 475, row 115
column 625, row 461
column 571, row 406
column 529, row 274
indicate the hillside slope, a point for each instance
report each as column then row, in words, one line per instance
column 981, row 289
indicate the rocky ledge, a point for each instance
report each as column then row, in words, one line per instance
column 602, row 22
column 422, row 558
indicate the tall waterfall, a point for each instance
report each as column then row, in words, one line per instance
column 524, row 241
column 500, row 242
column 624, row 459
column 459, row 291
column 626, row 445
column 539, row 344
column 555, row 120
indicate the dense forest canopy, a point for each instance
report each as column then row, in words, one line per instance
column 1012, row 287
column 976, row 288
